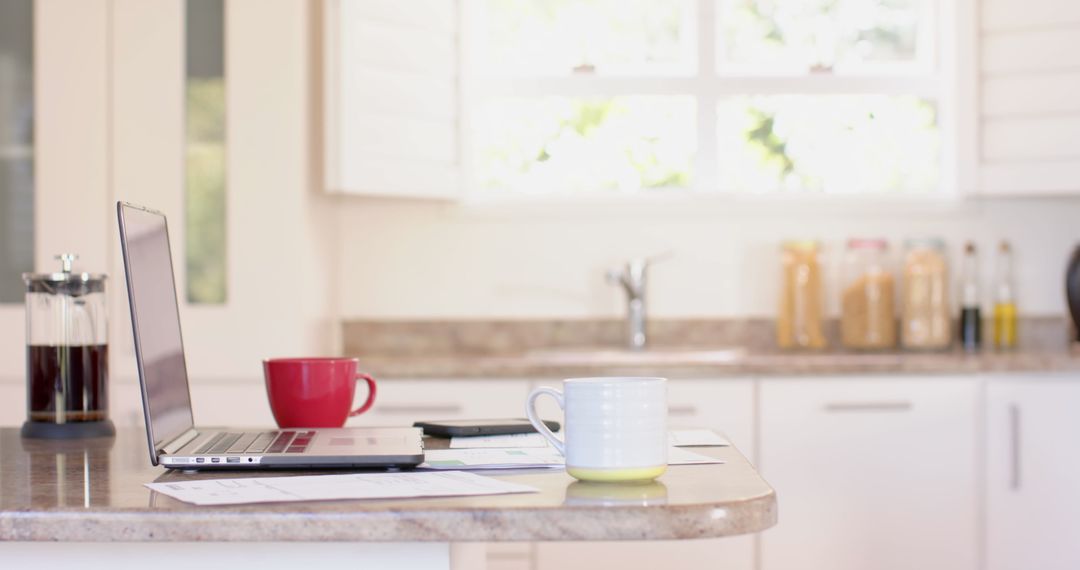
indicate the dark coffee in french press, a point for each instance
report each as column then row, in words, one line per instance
column 66, row 355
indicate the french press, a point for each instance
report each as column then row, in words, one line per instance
column 67, row 354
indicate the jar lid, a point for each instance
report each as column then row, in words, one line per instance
column 65, row 280
column 868, row 243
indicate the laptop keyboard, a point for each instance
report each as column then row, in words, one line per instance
column 226, row 443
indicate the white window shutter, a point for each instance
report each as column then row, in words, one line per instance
column 1030, row 97
column 391, row 109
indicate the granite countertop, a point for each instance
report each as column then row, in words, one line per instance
column 92, row 490
column 678, row 349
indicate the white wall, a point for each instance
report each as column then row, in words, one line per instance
column 416, row 260
column 122, row 97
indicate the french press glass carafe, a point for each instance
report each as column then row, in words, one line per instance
column 66, row 355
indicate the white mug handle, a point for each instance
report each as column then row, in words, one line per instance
column 534, row 419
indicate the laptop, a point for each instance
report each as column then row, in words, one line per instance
column 174, row 440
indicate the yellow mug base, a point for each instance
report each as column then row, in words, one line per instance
column 616, row 475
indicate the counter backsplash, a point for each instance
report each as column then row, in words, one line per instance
column 510, row 337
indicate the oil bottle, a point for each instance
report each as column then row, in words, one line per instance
column 970, row 319
column 1004, row 301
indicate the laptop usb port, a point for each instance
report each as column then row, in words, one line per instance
column 232, row 459
column 200, row 460
column 215, row 460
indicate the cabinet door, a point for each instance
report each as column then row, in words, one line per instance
column 1032, row 474
column 870, row 473
column 725, row 406
column 402, row 402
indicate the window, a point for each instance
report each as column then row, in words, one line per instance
column 204, row 196
column 736, row 96
column 16, row 147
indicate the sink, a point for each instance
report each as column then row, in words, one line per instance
column 650, row 356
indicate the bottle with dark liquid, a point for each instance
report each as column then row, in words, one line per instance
column 970, row 319
column 66, row 355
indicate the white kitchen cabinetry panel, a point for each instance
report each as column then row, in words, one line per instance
column 402, row 402
column 390, row 98
column 125, row 404
column 1029, row 91
column 1032, row 472
column 724, row 405
column 234, row 404
column 12, row 404
column 870, row 472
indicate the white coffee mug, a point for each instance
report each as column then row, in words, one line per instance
column 615, row 428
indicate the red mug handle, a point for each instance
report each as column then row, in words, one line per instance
column 370, row 397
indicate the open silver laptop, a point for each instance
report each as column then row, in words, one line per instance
column 174, row 440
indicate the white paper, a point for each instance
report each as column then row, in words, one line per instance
column 529, row 458
column 679, row 456
column 677, row 438
column 486, row 458
column 331, row 487
column 517, row 440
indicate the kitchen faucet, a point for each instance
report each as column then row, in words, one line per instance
column 632, row 279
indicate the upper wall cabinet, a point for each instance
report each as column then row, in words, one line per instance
column 1030, row 97
column 390, row 112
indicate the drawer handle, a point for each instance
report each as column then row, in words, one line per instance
column 682, row 410
column 1014, row 444
column 421, row 409
column 841, row 407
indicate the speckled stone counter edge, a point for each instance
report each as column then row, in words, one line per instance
column 481, row 525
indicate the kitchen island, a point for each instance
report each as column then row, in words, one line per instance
column 91, row 491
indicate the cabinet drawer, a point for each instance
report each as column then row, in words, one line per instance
column 733, row 553
column 868, row 468
column 235, row 404
column 402, row 402
column 723, row 405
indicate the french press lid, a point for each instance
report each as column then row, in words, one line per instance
column 65, row 282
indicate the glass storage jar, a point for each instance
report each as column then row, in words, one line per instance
column 925, row 322
column 799, row 323
column 867, row 316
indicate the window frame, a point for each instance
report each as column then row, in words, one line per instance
column 951, row 77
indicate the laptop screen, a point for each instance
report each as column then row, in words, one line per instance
column 144, row 236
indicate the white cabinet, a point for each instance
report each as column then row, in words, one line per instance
column 235, row 403
column 870, row 472
column 390, row 99
column 12, row 403
column 402, row 402
column 1029, row 96
column 724, row 405
column 1033, row 471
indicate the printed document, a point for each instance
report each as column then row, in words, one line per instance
column 331, row 487
column 677, row 438
column 529, row 458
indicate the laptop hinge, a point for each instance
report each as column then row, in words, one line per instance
column 179, row 442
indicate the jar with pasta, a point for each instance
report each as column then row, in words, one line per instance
column 867, row 316
column 926, row 321
column 799, row 323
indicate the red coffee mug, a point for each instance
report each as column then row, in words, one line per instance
column 314, row 392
